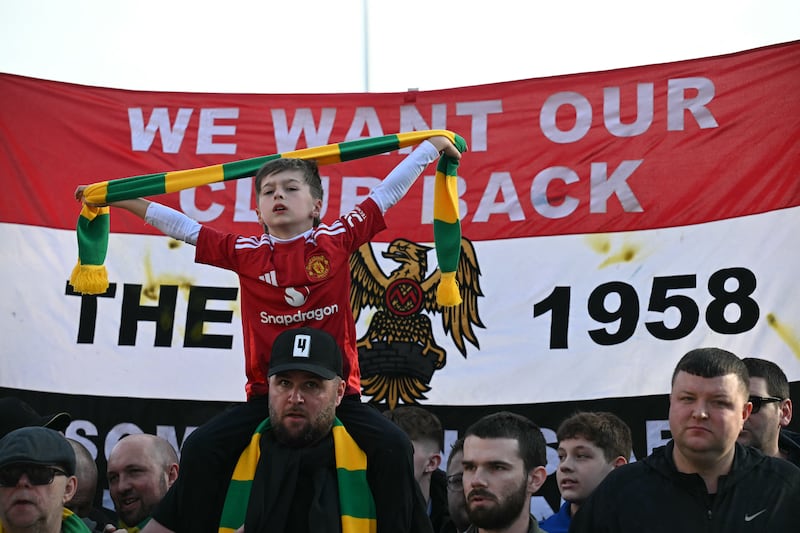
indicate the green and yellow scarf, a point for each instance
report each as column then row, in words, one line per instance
column 90, row 277
column 356, row 506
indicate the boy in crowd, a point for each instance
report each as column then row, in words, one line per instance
column 295, row 252
column 590, row 445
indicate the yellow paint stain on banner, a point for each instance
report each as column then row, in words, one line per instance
column 603, row 245
column 599, row 242
column 786, row 333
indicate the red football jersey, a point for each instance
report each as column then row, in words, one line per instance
column 289, row 284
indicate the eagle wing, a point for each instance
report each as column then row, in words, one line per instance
column 458, row 321
column 368, row 282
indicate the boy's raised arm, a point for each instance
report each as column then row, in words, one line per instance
column 402, row 177
column 167, row 220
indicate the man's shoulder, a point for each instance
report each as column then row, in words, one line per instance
column 789, row 443
column 780, row 469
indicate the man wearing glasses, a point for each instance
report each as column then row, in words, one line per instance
column 765, row 428
column 458, row 521
column 37, row 476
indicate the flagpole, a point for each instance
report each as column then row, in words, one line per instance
column 365, row 23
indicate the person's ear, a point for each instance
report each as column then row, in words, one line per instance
column 317, row 207
column 172, row 474
column 536, row 479
column 786, row 412
column 433, row 462
column 619, row 461
column 746, row 410
column 70, row 488
column 340, row 388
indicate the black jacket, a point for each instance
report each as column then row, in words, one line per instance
column 789, row 443
column 759, row 495
column 439, row 512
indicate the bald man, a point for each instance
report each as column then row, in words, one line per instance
column 141, row 468
column 82, row 502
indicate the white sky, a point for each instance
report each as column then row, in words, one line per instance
column 317, row 46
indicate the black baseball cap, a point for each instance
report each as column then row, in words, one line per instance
column 309, row 349
column 15, row 414
column 39, row 446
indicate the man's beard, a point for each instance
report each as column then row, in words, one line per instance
column 313, row 430
column 503, row 514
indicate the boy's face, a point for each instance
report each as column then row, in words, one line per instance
column 582, row 465
column 285, row 204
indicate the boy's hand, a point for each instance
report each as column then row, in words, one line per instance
column 443, row 144
column 80, row 198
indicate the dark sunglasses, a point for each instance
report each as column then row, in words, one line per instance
column 758, row 401
column 36, row 474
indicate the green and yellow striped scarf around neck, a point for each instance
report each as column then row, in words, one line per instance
column 356, row 506
column 90, row 276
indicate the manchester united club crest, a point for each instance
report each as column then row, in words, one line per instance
column 399, row 354
column 318, row 267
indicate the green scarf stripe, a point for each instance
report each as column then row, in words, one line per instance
column 93, row 238
column 374, row 146
column 70, row 523
column 448, row 244
column 90, row 277
column 246, row 167
column 351, row 498
column 135, row 187
column 235, row 505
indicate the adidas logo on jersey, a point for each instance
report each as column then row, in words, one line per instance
column 269, row 278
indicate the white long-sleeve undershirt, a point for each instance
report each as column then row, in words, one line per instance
column 394, row 186
column 172, row 222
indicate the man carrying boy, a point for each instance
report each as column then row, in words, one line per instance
column 295, row 274
column 296, row 485
column 590, row 445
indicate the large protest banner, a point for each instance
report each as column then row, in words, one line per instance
column 614, row 221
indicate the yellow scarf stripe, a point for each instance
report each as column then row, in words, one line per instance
column 89, row 275
column 446, row 188
column 248, row 460
column 358, row 525
column 186, row 179
column 348, row 456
